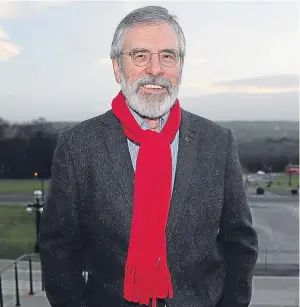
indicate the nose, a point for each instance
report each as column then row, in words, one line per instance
column 154, row 66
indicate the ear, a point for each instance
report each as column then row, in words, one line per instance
column 117, row 70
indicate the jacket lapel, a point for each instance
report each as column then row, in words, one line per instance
column 187, row 150
column 122, row 167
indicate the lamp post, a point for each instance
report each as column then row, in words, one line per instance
column 290, row 177
column 36, row 175
column 270, row 175
column 289, row 166
column 36, row 206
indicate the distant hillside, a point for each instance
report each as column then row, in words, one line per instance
column 244, row 131
column 248, row 130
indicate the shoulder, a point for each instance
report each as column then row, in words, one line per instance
column 206, row 126
column 88, row 128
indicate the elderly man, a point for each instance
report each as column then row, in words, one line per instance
column 147, row 198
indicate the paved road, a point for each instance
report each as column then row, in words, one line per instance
column 15, row 198
column 277, row 224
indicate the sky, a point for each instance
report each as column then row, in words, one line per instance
column 242, row 60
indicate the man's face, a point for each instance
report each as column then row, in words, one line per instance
column 135, row 80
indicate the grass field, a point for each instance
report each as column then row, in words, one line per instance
column 17, row 229
column 280, row 184
column 284, row 180
column 22, row 186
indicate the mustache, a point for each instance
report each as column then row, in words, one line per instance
column 160, row 81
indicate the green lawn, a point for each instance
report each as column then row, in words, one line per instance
column 17, row 232
column 20, row 186
column 281, row 184
column 284, row 180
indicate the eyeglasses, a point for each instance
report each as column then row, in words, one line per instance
column 141, row 57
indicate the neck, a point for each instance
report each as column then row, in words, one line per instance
column 153, row 124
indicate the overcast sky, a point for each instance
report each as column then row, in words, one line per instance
column 241, row 56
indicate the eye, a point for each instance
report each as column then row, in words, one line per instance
column 167, row 55
column 168, row 58
column 139, row 55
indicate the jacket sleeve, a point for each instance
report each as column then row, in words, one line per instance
column 237, row 234
column 60, row 238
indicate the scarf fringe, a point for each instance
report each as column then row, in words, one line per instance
column 141, row 288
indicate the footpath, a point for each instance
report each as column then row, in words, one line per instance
column 268, row 291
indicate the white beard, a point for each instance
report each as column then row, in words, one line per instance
column 146, row 104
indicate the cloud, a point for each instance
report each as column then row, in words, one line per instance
column 129, row 6
column 243, row 106
column 200, row 61
column 249, row 89
column 258, row 85
column 14, row 10
column 9, row 10
column 7, row 48
column 276, row 82
column 105, row 61
column 264, row 84
column 194, row 85
column 3, row 34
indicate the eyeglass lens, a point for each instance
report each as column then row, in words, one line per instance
column 142, row 57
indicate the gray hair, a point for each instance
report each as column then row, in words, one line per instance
column 146, row 15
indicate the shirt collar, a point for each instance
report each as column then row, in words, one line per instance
column 144, row 125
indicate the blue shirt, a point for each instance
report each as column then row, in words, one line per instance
column 134, row 148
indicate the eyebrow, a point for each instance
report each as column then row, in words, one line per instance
column 161, row 50
column 140, row 49
column 168, row 50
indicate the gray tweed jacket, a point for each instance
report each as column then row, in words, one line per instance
column 212, row 245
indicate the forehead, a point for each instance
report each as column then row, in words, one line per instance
column 151, row 36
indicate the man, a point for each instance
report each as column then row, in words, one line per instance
column 147, row 198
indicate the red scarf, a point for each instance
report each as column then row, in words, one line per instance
column 147, row 274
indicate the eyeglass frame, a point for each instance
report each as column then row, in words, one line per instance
column 179, row 57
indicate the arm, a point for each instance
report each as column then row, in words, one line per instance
column 237, row 235
column 60, row 239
